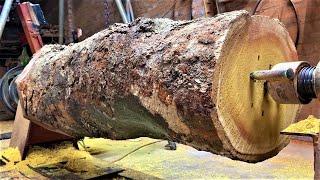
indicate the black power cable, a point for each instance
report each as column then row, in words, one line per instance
column 4, row 136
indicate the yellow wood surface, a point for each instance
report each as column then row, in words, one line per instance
column 251, row 119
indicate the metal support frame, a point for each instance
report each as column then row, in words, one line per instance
column 61, row 21
column 31, row 32
column 129, row 11
column 4, row 15
column 122, row 11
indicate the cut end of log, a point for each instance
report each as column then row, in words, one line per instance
column 250, row 118
column 187, row 81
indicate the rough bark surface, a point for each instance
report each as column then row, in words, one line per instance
column 152, row 78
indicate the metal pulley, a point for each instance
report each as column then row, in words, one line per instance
column 8, row 89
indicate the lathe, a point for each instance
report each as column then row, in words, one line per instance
column 291, row 82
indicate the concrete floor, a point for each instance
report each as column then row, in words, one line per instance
column 293, row 162
column 5, row 126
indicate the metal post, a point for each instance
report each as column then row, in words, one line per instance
column 4, row 15
column 129, row 11
column 217, row 5
column 61, row 21
column 122, row 11
column 316, row 146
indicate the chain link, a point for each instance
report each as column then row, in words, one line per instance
column 71, row 27
column 106, row 13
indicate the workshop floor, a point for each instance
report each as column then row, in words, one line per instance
column 5, row 126
column 151, row 158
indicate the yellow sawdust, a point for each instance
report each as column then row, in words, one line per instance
column 77, row 161
column 310, row 126
column 6, row 126
column 186, row 163
column 183, row 163
column 11, row 154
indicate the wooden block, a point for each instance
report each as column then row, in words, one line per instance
column 20, row 132
column 26, row 133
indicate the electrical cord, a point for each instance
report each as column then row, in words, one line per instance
column 127, row 154
column 136, row 149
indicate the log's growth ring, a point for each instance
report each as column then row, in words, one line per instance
column 250, row 118
column 187, row 81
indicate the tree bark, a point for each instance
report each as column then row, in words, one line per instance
column 187, row 81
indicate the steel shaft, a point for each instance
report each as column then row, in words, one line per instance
column 272, row 75
column 291, row 82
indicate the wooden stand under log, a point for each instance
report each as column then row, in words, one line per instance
column 26, row 133
column 187, row 81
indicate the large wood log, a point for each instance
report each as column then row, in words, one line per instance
column 186, row 81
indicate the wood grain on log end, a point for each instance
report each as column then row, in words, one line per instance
column 251, row 120
column 187, row 81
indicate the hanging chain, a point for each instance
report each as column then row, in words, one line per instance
column 106, row 13
column 70, row 21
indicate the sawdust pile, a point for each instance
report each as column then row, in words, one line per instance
column 311, row 126
column 79, row 162
column 154, row 160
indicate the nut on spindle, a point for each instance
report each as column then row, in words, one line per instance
column 289, row 82
column 273, row 75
